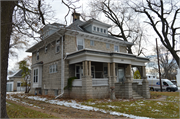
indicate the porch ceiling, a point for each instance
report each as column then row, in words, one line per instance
column 108, row 57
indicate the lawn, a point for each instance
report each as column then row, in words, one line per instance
column 17, row 111
column 145, row 108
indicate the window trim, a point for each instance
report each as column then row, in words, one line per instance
column 78, row 38
column 34, row 74
column 107, row 44
column 117, row 47
column 53, row 68
column 92, row 41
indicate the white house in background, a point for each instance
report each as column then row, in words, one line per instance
column 14, row 82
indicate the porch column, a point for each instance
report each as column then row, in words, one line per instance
column 128, row 83
column 145, row 84
column 87, row 81
column 113, row 80
column 89, row 68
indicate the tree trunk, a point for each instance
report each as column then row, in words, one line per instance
column 7, row 8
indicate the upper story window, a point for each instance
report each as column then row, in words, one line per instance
column 37, row 55
column 107, row 45
column 101, row 30
column 94, row 28
column 104, row 30
column 53, row 68
column 116, row 48
column 91, row 42
column 97, row 29
column 45, row 49
column 57, row 46
column 80, row 44
column 35, row 75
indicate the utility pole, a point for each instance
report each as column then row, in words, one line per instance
column 158, row 64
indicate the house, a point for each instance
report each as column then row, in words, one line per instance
column 84, row 50
column 15, row 81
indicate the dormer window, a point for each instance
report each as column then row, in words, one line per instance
column 101, row 30
column 57, row 46
column 97, row 29
column 37, row 55
column 94, row 28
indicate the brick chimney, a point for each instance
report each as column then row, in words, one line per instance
column 75, row 16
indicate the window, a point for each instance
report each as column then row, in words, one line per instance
column 116, row 48
column 91, row 42
column 35, row 75
column 104, row 30
column 101, row 30
column 56, row 92
column 80, row 44
column 45, row 91
column 93, row 71
column 53, row 68
column 57, row 46
column 97, row 29
column 107, row 45
column 78, row 71
column 37, row 55
column 46, row 48
column 94, row 28
column 18, row 84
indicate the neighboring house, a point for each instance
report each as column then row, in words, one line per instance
column 14, row 82
column 84, row 50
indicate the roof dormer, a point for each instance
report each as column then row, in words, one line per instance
column 96, row 27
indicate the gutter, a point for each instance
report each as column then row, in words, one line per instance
column 62, row 68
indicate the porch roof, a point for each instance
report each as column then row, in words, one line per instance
column 108, row 57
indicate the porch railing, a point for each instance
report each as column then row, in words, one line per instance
column 100, row 82
column 95, row 82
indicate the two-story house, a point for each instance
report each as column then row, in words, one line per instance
column 84, row 50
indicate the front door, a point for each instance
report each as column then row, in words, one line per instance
column 120, row 74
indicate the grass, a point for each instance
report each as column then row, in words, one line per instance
column 145, row 108
column 17, row 111
column 158, row 94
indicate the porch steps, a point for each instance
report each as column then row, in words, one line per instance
column 136, row 95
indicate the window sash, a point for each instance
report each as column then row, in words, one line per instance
column 91, row 42
column 116, row 48
column 35, row 75
column 107, row 45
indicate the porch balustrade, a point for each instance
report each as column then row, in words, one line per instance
column 95, row 82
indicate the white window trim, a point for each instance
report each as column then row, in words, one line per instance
column 80, row 38
column 108, row 45
column 117, row 46
column 92, row 42
column 53, row 68
column 37, row 75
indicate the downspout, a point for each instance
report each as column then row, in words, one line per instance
column 62, row 69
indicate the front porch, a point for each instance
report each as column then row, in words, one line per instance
column 101, row 79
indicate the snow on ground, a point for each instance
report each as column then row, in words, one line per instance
column 14, row 92
column 9, row 97
column 76, row 105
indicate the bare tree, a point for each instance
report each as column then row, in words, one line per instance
column 168, row 64
column 24, row 17
column 125, row 21
column 163, row 17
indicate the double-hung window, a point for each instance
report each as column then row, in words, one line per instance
column 80, row 43
column 116, row 48
column 35, row 75
column 78, row 71
column 53, row 68
column 107, row 45
column 91, row 42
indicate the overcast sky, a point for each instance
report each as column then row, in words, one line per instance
column 60, row 11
